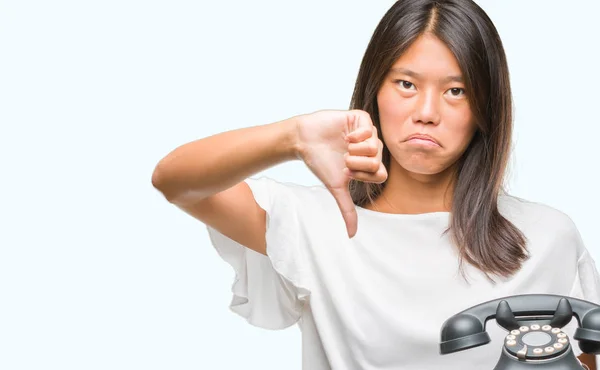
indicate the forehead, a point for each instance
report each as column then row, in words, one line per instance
column 428, row 55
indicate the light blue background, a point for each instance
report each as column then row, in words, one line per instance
column 98, row 271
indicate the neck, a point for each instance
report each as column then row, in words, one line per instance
column 412, row 193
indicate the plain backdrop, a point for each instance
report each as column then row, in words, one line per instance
column 98, row 271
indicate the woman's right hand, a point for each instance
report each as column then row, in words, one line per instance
column 337, row 146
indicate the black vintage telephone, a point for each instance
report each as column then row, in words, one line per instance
column 534, row 322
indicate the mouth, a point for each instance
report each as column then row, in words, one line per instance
column 422, row 139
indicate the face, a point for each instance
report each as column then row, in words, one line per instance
column 423, row 94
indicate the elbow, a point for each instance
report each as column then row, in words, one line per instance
column 159, row 181
column 171, row 190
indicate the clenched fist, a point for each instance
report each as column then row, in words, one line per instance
column 338, row 146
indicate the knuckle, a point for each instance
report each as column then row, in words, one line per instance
column 364, row 114
column 363, row 176
column 360, row 112
column 374, row 166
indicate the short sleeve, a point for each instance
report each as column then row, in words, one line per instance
column 588, row 279
column 586, row 287
column 269, row 291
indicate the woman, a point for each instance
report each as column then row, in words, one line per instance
column 410, row 225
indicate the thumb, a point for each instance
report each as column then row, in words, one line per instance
column 346, row 205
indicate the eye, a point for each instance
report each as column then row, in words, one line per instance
column 457, row 91
column 405, row 84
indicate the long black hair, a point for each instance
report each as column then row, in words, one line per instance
column 484, row 238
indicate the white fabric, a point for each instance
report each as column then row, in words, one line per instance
column 378, row 301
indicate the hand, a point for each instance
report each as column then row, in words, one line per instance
column 337, row 146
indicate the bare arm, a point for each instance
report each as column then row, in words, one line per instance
column 205, row 177
column 205, row 167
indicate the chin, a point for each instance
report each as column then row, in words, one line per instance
column 421, row 162
column 422, row 167
column 422, row 170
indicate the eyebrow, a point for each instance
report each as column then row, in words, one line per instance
column 416, row 75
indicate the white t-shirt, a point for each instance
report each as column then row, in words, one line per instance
column 379, row 300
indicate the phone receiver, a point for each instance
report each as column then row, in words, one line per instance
column 534, row 322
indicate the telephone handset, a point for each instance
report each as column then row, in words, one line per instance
column 534, row 322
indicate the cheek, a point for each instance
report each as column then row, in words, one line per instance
column 463, row 129
column 392, row 114
column 389, row 105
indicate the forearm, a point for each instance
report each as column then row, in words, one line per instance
column 204, row 167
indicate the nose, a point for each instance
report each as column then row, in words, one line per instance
column 427, row 108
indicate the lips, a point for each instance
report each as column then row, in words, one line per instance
column 423, row 137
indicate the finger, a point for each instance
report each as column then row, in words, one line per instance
column 358, row 135
column 362, row 129
column 361, row 163
column 378, row 177
column 362, row 119
column 369, row 148
column 374, row 129
column 346, row 206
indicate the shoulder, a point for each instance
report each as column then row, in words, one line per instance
column 279, row 187
column 303, row 198
column 519, row 208
column 311, row 208
column 540, row 221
